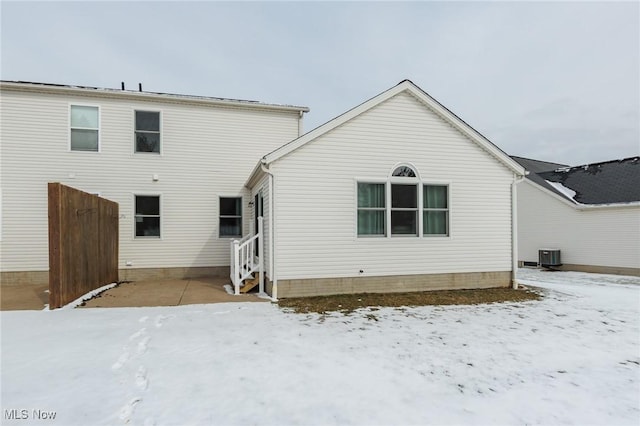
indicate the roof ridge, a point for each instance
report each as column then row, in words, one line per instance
column 110, row 90
column 539, row 161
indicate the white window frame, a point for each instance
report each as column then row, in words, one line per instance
column 415, row 182
column 448, row 209
column 160, row 215
column 420, row 184
column 386, row 206
column 69, row 128
column 242, row 217
column 160, row 131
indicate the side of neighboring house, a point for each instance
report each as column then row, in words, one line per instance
column 591, row 213
column 175, row 164
column 397, row 194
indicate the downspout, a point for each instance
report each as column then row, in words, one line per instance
column 300, row 128
column 514, row 230
column 272, row 233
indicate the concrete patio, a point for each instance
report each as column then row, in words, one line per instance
column 132, row 294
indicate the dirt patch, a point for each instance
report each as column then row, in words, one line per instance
column 347, row 303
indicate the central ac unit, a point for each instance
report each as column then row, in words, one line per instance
column 549, row 257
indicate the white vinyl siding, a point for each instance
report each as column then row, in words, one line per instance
column 207, row 152
column 597, row 237
column 316, row 198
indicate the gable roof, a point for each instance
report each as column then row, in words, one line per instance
column 537, row 166
column 404, row 86
column 607, row 182
column 30, row 86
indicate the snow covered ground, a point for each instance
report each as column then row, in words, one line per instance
column 573, row 358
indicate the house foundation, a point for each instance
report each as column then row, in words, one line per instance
column 128, row 274
column 392, row 284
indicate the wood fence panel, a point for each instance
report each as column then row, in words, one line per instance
column 83, row 243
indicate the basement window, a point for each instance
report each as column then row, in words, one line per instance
column 147, row 215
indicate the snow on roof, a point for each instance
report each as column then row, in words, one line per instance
column 604, row 183
column 567, row 192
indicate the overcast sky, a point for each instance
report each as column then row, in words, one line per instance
column 552, row 81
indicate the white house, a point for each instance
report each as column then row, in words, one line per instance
column 175, row 164
column 397, row 194
column 591, row 213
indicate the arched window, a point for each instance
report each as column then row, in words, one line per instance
column 404, row 171
column 404, row 200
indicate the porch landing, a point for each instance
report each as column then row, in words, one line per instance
column 134, row 294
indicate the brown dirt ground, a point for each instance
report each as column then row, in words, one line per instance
column 347, row 303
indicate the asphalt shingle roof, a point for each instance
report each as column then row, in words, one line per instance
column 608, row 182
column 537, row 166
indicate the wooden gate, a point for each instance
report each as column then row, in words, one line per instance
column 83, row 243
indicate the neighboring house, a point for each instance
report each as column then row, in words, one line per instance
column 591, row 213
column 397, row 194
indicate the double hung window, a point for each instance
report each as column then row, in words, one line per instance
column 435, row 211
column 147, row 215
column 85, row 128
column 147, row 131
column 404, row 209
column 230, row 216
column 371, row 208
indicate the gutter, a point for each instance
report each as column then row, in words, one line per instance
column 272, row 233
column 514, row 229
column 582, row 207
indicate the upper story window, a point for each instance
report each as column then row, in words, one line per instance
column 85, row 128
column 147, row 131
